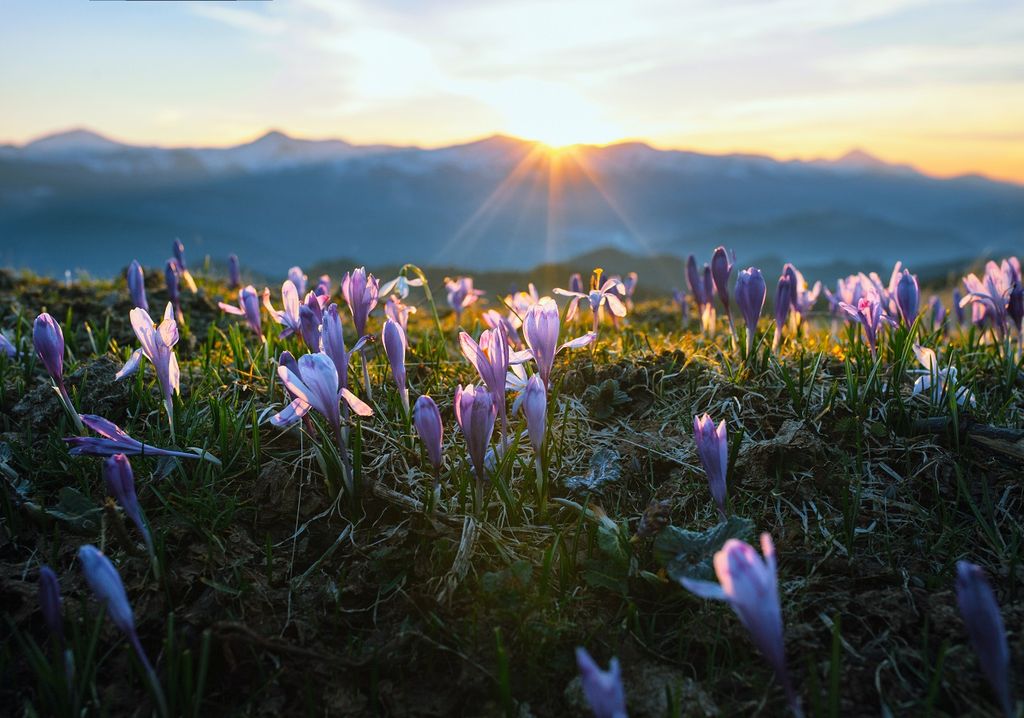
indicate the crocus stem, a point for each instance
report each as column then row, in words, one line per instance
column 169, row 404
column 66, row 401
column 366, row 376
column 542, row 487
column 151, row 676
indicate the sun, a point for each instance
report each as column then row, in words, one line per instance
column 556, row 116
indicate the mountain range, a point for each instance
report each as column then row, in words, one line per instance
column 78, row 200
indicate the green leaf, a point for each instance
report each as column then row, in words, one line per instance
column 76, row 509
column 689, row 553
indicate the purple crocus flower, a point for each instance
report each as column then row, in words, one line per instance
column 541, row 326
column 602, row 689
column 120, row 481
column 628, row 286
column 332, row 343
column 476, row 412
column 395, row 345
column 702, row 286
column 575, row 282
column 1015, row 306
column 107, row 587
column 721, row 270
column 713, row 449
column 461, row 294
column 679, row 299
column 248, row 307
column 991, row 295
column 802, row 299
column 137, row 285
column 234, row 272
column 750, row 295
column 172, row 275
column 427, row 420
column 157, row 346
column 870, row 314
column 601, row 294
column 937, row 311
column 958, row 308
column 750, row 585
column 288, row 317
column 535, row 408
column 6, row 348
column 315, row 386
column 494, row 319
column 48, row 340
column 298, row 280
column 490, row 357
column 397, row 311
column 323, row 286
column 985, row 629
column 783, row 305
column 113, row 440
column 311, row 316
column 908, row 298
column 360, row 291
column 179, row 257
column 50, row 602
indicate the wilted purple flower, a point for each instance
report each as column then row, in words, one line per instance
column 332, row 343
column 106, row 585
column 315, row 386
column 713, row 449
column 870, row 314
column 541, row 327
column 360, row 291
column 475, row 412
column 398, row 312
column 461, row 295
column 113, row 440
column 248, row 307
column 298, row 280
column 721, row 270
column 750, row 294
column 157, row 346
column 783, row 305
column 535, row 408
column 288, row 317
column 601, row 294
column 427, row 420
column 603, row 689
column 50, row 602
column 490, row 358
column 395, row 345
column 172, row 275
column 120, row 481
column 179, row 256
column 908, row 298
column 311, row 316
column 137, row 285
column 750, row 585
column 234, row 272
column 985, row 629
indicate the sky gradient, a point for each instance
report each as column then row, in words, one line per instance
column 939, row 85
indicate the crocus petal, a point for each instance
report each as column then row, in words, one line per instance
column 355, row 403
column 131, row 366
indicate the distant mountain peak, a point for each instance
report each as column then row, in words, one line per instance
column 859, row 157
column 73, row 140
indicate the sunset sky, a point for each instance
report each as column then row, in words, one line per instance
column 936, row 84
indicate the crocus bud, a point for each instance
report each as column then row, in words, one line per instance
column 106, row 585
column 172, row 276
column 541, row 326
column 120, row 482
column 535, row 407
column 721, row 269
column 985, row 629
column 713, row 450
column 183, row 273
column 49, row 343
column 957, row 307
column 311, row 316
column 323, row 286
column 427, row 420
column 750, row 586
column 575, row 282
column 908, row 297
column 234, row 272
column 393, row 338
column 298, row 280
column 1015, row 306
column 360, row 291
column 783, row 304
column 137, row 285
column 750, row 295
column 938, row 312
column 332, row 339
column 250, row 301
column 693, row 279
column 50, row 602
column 602, row 689
column 476, row 412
